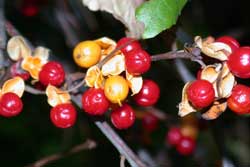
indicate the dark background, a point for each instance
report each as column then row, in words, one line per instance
column 31, row 136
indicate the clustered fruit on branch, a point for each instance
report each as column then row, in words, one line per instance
column 216, row 87
column 112, row 70
column 110, row 79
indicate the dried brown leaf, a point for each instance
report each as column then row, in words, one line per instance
column 122, row 10
column 215, row 110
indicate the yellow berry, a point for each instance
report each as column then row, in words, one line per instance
column 87, row 54
column 116, row 89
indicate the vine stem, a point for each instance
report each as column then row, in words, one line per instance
column 193, row 55
column 87, row 145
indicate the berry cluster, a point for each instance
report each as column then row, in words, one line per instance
column 49, row 74
column 111, row 81
column 216, row 87
column 185, row 145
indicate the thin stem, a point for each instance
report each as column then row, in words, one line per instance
column 2, row 26
column 34, row 91
column 87, row 145
column 76, row 87
column 194, row 55
column 171, row 55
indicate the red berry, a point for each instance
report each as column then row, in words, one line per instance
column 150, row 122
column 123, row 117
column 149, row 93
column 10, row 105
column 30, row 10
column 174, row 136
column 239, row 101
column 16, row 71
column 186, row 146
column 239, row 62
column 63, row 115
column 200, row 93
column 231, row 42
column 94, row 101
column 131, row 46
column 137, row 62
column 52, row 73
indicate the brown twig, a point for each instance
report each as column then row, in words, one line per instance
column 87, row 145
column 33, row 91
column 193, row 55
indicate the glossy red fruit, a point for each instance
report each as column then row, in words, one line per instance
column 174, row 136
column 239, row 62
column 63, row 115
column 200, row 93
column 131, row 46
column 52, row 73
column 186, row 146
column 10, row 105
column 230, row 41
column 137, row 62
column 239, row 101
column 16, row 71
column 94, row 101
column 149, row 93
column 123, row 117
column 150, row 122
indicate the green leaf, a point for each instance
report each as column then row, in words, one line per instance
column 159, row 15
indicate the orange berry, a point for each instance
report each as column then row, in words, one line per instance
column 116, row 89
column 87, row 54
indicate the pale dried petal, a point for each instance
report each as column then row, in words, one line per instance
column 99, row 82
column 198, row 41
column 33, row 64
column 225, row 70
column 122, row 10
column 42, row 53
column 114, row 66
column 215, row 110
column 215, row 90
column 226, row 85
column 134, row 83
column 17, row 48
column 210, row 73
column 107, row 46
column 105, row 42
column 56, row 96
column 15, row 85
column 185, row 107
column 94, row 77
column 213, row 49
